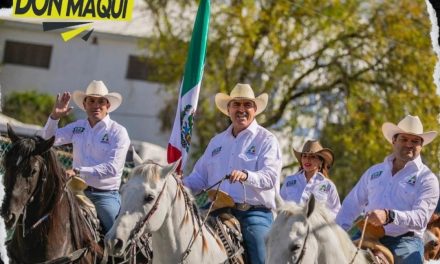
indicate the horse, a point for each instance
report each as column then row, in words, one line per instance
column 155, row 201
column 308, row 234
column 432, row 238
column 49, row 224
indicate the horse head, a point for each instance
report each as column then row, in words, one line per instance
column 145, row 204
column 24, row 165
column 289, row 233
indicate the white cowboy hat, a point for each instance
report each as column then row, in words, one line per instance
column 409, row 125
column 97, row 89
column 241, row 91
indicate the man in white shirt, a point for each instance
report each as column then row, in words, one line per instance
column 251, row 155
column 100, row 146
column 399, row 194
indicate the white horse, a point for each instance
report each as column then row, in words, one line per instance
column 154, row 201
column 307, row 234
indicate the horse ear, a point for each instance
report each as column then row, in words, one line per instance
column 136, row 158
column 310, row 205
column 44, row 145
column 11, row 133
column 170, row 169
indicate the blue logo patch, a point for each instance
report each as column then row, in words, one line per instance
column 375, row 175
column 78, row 130
column 252, row 150
column 411, row 180
column 216, row 151
column 104, row 139
column 290, row 183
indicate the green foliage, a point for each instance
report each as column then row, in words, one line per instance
column 347, row 65
column 31, row 107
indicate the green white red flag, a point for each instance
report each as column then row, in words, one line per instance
column 180, row 140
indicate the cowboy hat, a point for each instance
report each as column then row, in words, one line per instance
column 314, row 147
column 97, row 89
column 241, row 91
column 409, row 125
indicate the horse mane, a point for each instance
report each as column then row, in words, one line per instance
column 150, row 170
column 54, row 186
column 319, row 218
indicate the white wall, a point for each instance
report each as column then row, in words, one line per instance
column 75, row 63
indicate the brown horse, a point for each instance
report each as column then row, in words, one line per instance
column 49, row 224
column 432, row 249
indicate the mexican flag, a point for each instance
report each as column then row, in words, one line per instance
column 180, row 140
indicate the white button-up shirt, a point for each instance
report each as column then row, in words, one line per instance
column 256, row 150
column 412, row 193
column 297, row 189
column 99, row 152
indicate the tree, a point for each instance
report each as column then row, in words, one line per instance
column 347, row 65
column 31, row 107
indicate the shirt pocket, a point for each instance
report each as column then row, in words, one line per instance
column 248, row 162
column 406, row 193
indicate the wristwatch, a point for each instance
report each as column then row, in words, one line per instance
column 391, row 216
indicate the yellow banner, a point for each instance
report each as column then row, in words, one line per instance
column 116, row 10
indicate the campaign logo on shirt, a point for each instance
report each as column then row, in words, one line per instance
column 375, row 175
column 105, row 139
column 78, row 130
column 290, row 183
column 216, row 151
column 252, row 150
column 324, row 188
column 411, row 180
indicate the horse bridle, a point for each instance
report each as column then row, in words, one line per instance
column 303, row 249
column 139, row 225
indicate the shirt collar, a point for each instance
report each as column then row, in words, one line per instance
column 415, row 162
column 317, row 176
column 104, row 122
column 252, row 128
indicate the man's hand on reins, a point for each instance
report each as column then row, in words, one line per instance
column 238, row 175
column 378, row 217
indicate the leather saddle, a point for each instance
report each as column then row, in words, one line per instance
column 226, row 226
column 378, row 252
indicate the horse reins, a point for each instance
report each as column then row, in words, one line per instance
column 134, row 233
column 193, row 238
column 303, row 250
column 361, row 240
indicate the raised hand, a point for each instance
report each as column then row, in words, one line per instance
column 61, row 107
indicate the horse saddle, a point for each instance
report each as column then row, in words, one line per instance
column 220, row 199
column 227, row 227
column 381, row 254
column 77, row 186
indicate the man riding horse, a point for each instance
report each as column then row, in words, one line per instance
column 399, row 194
column 251, row 156
column 100, row 146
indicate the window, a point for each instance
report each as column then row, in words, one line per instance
column 141, row 68
column 28, row 54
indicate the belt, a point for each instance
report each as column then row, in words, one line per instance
column 93, row 189
column 407, row 234
column 248, row 207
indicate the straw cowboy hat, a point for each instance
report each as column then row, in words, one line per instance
column 241, row 91
column 97, row 89
column 314, row 147
column 409, row 125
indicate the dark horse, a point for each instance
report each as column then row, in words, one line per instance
column 49, row 224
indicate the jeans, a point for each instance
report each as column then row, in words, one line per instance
column 405, row 249
column 107, row 206
column 255, row 225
